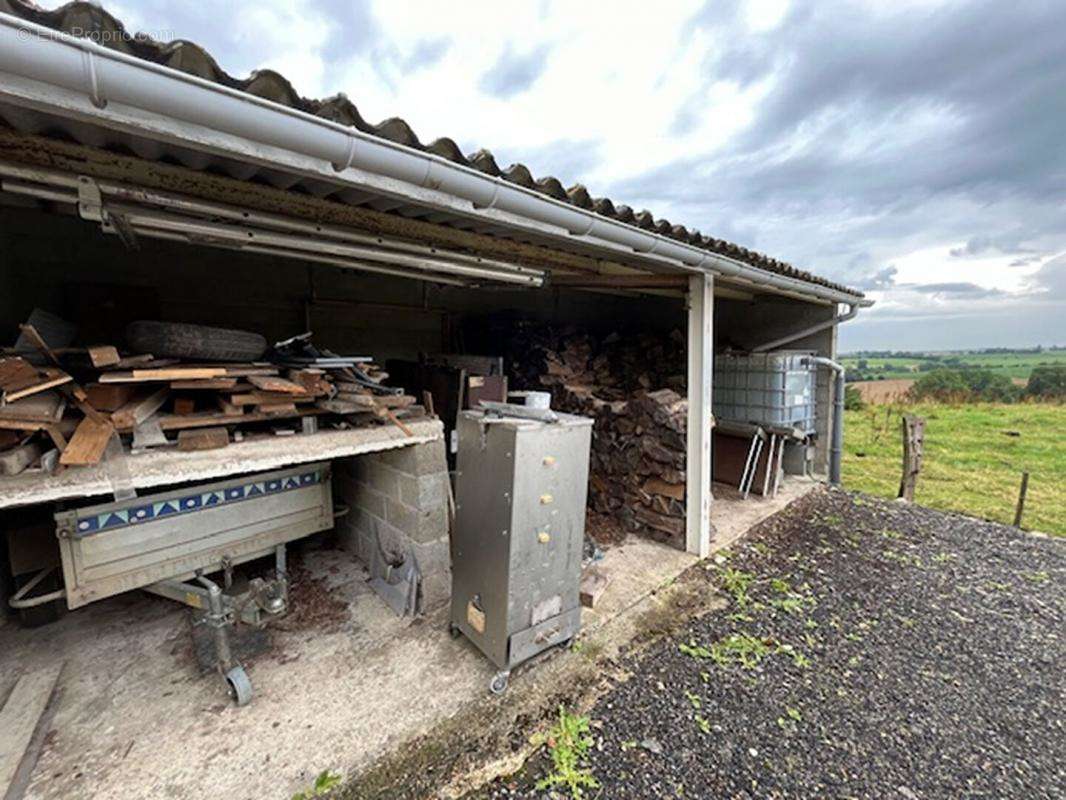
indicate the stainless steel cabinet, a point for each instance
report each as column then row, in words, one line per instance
column 521, row 489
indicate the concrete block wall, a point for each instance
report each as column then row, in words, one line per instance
column 399, row 510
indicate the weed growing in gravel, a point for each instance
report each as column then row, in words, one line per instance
column 736, row 583
column 1038, row 577
column 741, row 647
column 703, row 724
column 694, row 650
column 568, row 744
column 694, row 700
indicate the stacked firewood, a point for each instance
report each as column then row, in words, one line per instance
column 633, row 386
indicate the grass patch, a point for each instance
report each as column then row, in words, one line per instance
column 971, row 465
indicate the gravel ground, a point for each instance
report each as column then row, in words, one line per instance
column 892, row 651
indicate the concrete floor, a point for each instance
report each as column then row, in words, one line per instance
column 136, row 718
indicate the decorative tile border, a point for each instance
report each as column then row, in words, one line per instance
column 143, row 511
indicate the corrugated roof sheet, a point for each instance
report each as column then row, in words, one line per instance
column 87, row 19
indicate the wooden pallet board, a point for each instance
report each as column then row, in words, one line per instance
column 202, row 439
column 44, row 408
column 139, row 408
column 88, row 444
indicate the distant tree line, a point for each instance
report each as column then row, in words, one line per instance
column 974, row 385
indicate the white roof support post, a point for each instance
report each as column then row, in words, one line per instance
column 700, row 419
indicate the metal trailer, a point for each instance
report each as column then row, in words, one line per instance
column 165, row 543
column 521, row 489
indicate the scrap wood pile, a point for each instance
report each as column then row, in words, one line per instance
column 634, row 388
column 63, row 406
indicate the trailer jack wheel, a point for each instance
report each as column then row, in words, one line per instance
column 498, row 684
column 239, row 686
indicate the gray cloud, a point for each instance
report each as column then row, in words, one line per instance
column 884, row 278
column 880, row 134
column 1051, row 280
column 982, row 245
column 514, row 72
column 962, row 289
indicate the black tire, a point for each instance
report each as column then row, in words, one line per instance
column 180, row 340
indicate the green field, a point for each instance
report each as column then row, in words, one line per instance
column 971, row 465
column 1012, row 364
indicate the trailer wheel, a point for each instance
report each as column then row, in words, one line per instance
column 180, row 340
column 498, row 684
column 239, row 685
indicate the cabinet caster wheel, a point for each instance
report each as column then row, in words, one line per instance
column 453, row 631
column 498, row 684
column 239, row 686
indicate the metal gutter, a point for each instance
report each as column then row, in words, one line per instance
column 104, row 76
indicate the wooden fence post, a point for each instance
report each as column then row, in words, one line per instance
column 913, row 443
column 1020, row 508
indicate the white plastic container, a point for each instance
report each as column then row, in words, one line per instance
column 776, row 388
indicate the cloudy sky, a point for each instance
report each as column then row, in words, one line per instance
column 916, row 150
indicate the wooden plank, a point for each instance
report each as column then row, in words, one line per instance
column 57, row 437
column 139, row 409
column 164, row 374
column 16, row 372
column 276, row 409
column 44, row 408
column 19, row 722
column 273, row 383
column 202, row 419
column 364, row 400
column 339, row 406
column 393, row 400
column 227, row 407
column 109, row 397
column 259, row 398
column 202, row 439
column 104, row 355
column 49, row 378
column 35, row 339
column 87, row 445
column 209, row 383
column 313, row 380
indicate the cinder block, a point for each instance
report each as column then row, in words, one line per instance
column 417, row 459
column 392, row 541
column 369, row 500
column 425, row 493
column 436, row 590
column 420, row 526
column 433, row 557
column 384, row 479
